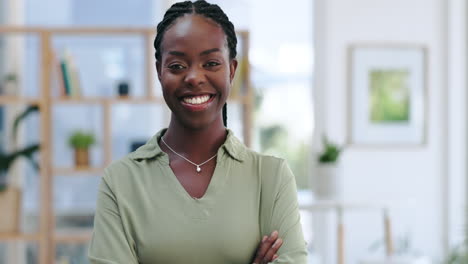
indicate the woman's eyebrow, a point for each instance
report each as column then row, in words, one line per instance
column 206, row 52
column 177, row 53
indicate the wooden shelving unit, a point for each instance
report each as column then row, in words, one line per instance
column 19, row 237
column 73, row 236
column 5, row 100
column 103, row 101
column 47, row 236
column 77, row 171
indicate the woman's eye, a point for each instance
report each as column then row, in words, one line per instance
column 212, row 64
column 176, row 67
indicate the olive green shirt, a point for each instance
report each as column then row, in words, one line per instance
column 144, row 215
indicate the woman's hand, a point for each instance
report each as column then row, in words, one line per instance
column 267, row 249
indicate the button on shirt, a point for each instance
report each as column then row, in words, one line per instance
column 144, row 215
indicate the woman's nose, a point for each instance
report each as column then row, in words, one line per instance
column 195, row 76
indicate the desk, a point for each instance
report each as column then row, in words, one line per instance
column 339, row 208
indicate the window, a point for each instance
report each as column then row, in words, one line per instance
column 281, row 57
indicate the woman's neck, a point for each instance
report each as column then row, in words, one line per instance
column 195, row 144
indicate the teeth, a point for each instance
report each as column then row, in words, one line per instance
column 197, row 100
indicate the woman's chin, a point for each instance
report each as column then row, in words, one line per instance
column 202, row 123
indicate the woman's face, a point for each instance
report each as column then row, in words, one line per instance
column 195, row 71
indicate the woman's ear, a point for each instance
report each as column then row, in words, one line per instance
column 232, row 69
column 158, row 69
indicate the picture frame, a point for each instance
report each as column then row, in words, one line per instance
column 387, row 95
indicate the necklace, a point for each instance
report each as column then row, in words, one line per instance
column 197, row 165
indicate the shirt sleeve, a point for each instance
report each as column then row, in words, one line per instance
column 285, row 218
column 110, row 243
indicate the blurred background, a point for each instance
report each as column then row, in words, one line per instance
column 365, row 99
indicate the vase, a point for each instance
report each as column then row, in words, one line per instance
column 328, row 182
column 81, row 157
column 10, row 88
column 10, row 202
column 123, row 89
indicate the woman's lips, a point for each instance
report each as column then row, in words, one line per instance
column 198, row 102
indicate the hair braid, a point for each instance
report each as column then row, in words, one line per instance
column 203, row 8
column 177, row 10
column 215, row 13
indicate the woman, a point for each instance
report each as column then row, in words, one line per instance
column 194, row 193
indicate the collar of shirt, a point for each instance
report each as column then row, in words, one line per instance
column 232, row 146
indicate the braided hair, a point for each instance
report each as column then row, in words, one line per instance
column 203, row 8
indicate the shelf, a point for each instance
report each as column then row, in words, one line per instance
column 339, row 205
column 18, row 100
column 18, row 237
column 73, row 236
column 129, row 100
column 66, row 236
column 99, row 100
column 77, row 170
column 77, row 30
column 47, row 95
column 103, row 100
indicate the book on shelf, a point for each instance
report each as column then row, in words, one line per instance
column 65, row 78
column 57, row 77
column 69, row 77
column 75, row 88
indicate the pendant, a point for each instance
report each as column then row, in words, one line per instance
column 198, row 169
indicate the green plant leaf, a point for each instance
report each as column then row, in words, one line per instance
column 22, row 116
column 10, row 77
column 6, row 160
column 81, row 140
column 331, row 152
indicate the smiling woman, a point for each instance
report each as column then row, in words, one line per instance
column 195, row 64
column 194, row 193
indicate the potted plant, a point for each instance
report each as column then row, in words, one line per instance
column 459, row 254
column 327, row 174
column 10, row 196
column 10, row 84
column 80, row 141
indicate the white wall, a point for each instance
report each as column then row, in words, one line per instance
column 458, row 116
column 415, row 182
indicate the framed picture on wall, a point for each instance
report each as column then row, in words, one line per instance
column 387, row 95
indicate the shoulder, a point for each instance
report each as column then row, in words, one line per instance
column 262, row 159
column 136, row 163
column 122, row 170
column 270, row 169
column 246, row 155
column 256, row 163
column 122, row 166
